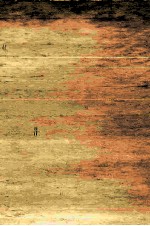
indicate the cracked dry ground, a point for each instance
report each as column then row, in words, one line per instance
column 85, row 85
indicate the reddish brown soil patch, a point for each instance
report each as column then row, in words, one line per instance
column 43, row 121
column 116, row 116
column 61, row 25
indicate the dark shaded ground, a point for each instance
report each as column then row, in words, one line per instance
column 120, row 10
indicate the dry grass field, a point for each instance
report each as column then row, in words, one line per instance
column 85, row 85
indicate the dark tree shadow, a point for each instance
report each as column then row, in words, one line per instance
column 48, row 9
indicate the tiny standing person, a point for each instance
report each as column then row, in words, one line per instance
column 35, row 131
column 4, row 47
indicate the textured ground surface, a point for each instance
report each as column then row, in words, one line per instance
column 86, row 87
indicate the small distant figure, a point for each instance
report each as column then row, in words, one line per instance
column 4, row 47
column 35, row 131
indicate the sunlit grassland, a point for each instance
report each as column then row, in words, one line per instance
column 25, row 181
column 36, row 74
column 29, row 194
column 28, row 70
column 17, row 117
